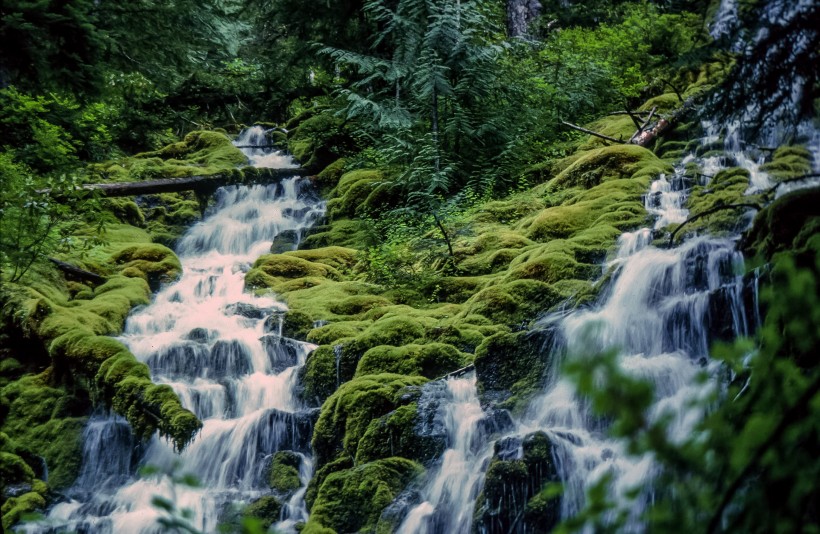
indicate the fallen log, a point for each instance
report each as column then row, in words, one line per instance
column 188, row 183
column 458, row 372
column 77, row 273
column 647, row 133
column 590, row 132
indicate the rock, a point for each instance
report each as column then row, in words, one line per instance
column 282, row 352
column 247, row 310
column 285, row 241
column 200, row 335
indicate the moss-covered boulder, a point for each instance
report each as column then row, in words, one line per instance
column 510, row 367
column 352, row 500
column 346, row 415
column 430, row 360
column 264, row 511
column 284, row 473
column 520, row 494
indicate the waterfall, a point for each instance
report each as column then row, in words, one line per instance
column 221, row 350
column 453, row 486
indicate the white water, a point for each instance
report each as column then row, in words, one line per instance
column 450, row 494
column 221, row 350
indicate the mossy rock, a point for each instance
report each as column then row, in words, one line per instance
column 788, row 163
column 44, row 418
column 349, row 197
column 264, row 510
column 728, row 187
column 343, row 232
column 352, row 500
column 347, row 413
column 339, row 258
column 520, row 493
column 157, row 262
column 787, row 223
column 270, row 269
column 16, row 507
column 511, row 367
column 284, row 473
column 513, row 303
column 431, row 360
column 399, row 434
column 319, row 140
column 609, row 163
column 330, row 175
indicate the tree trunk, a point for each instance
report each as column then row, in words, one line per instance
column 189, row 183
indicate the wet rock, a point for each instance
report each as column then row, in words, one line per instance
column 518, row 495
column 229, row 358
column 393, row 515
column 282, row 352
column 200, row 335
column 285, row 241
column 247, row 310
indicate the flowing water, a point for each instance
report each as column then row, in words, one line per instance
column 453, row 485
column 220, row 348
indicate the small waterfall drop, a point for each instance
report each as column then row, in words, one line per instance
column 221, row 350
column 450, row 493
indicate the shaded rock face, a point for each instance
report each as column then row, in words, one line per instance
column 520, row 13
column 285, row 241
column 517, row 495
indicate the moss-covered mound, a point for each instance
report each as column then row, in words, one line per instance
column 200, row 153
column 352, row 500
column 61, row 361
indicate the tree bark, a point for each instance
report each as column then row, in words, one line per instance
column 76, row 272
column 176, row 185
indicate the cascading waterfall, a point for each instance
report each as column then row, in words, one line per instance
column 222, row 352
column 450, row 493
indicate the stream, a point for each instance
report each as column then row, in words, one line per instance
column 220, row 348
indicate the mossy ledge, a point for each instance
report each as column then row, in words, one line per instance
column 74, row 325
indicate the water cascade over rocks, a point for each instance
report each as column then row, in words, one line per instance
column 452, row 488
column 221, row 350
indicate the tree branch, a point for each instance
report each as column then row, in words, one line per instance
column 590, row 132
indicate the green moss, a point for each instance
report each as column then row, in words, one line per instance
column 521, row 492
column 395, row 434
column 729, row 186
column 329, row 334
column 270, row 269
column 343, row 233
column 510, row 365
column 609, row 163
column 349, row 197
column 787, row 223
column 348, row 412
column 159, row 263
column 266, row 510
column 330, row 175
column 431, row 360
column 513, row 302
column 339, row 258
column 352, row 500
column 319, row 140
column 40, row 417
column 284, row 473
column 200, row 153
column 788, row 162
column 16, row 507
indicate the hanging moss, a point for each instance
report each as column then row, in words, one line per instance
column 352, row 500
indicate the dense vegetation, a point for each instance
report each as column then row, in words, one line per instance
column 460, row 209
